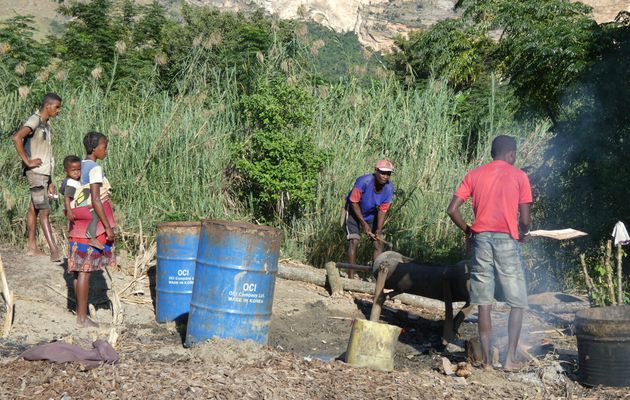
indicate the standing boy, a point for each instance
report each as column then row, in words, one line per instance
column 501, row 199
column 366, row 205
column 33, row 143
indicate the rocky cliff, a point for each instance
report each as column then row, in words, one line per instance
column 377, row 22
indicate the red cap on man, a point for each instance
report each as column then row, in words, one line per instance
column 385, row 165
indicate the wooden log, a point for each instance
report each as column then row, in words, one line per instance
column 334, row 283
column 4, row 284
column 8, row 319
column 317, row 277
column 302, row 274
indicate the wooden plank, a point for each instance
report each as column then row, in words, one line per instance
column 558, row 234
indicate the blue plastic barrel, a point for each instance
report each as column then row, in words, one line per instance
column 177, row 244
column 235, row 278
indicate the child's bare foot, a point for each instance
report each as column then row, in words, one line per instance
column 96, row 243
column 87, row 323
column 55, row 256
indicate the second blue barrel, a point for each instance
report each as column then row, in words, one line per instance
column 234, row 282
column 177, row 244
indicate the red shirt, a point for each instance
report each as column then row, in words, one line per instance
column 497, row 189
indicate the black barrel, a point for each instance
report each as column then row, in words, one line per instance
column 603, row 336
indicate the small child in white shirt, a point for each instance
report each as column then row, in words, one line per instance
column 71, row 189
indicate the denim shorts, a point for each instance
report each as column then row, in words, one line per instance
column 497, row 264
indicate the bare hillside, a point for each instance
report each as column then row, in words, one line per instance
column 376, row 22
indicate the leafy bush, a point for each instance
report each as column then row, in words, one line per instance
column 278, row 161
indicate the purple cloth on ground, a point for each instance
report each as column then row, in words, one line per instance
column 61, row 352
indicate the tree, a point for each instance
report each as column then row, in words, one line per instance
column 278, row 162
column 211, row 39
column 544, row 46
column 20, row 54
column 90, row 35
column 584, row 184
column 541, row 48
column 451, row 49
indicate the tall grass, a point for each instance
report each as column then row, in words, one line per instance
column 168, row 154
column 418, row 132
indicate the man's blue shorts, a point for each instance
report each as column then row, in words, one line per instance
column 497, row 261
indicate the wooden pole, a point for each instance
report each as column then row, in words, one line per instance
column 332, row 276
column 587, row 278
column 379, row 296
column 8, row 299
column 619, row 275
column 609, row 273
column 3, row 282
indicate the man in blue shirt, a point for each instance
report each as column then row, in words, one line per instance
column 366, row 205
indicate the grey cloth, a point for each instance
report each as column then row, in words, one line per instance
column 38, row 144
column 61, row 352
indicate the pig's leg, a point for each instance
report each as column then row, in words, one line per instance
column 448, row 332
column 461, row 316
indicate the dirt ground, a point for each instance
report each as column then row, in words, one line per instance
column 303, row 359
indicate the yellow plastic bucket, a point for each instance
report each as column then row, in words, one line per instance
column 372, row 345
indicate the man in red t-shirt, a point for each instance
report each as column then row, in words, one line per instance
column 501, row 199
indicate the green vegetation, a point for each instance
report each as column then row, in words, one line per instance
column 278, row 161
column 549, row 60
column 246, row 117
column 338, row 57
